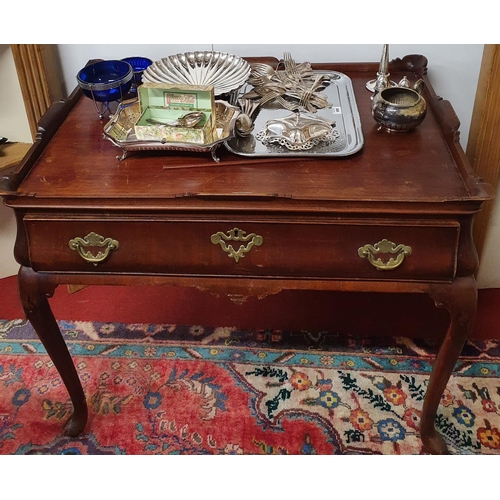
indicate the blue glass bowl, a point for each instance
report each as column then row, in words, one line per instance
column 139, row 64
column 106, row 81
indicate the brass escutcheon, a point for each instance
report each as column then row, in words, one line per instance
column 93, row 240
column 384, row 247
column 236, row 234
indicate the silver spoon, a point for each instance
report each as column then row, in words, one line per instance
column 187, row 121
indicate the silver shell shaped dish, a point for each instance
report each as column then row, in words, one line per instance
column 120, row 131
column 225, row 72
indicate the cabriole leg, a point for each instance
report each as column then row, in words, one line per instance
column 34, row 290
column 460, row 299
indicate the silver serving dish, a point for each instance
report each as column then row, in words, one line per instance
column 225, row 72
column 298, row 132
column 341, row 110
column 120, row 131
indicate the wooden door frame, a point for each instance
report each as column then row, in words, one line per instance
column 41, row 82
column 483, row 144
column 40, row 79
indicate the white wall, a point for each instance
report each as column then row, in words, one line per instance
column 13, row 121
column 453, row 70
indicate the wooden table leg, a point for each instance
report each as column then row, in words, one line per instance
column 460, row 299
column 34, row 290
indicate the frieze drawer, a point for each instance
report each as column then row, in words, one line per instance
column 355, row 249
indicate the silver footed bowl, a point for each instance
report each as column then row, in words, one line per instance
column 398, row 109
column 120, row 130
column 225, row 72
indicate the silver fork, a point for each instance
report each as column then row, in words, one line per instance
column 269, row 96
column 290, row 67
column 286, row 104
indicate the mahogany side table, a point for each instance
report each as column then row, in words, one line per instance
column 395, row 217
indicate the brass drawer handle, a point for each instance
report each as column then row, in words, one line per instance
column 93, row 240
column 385, row 247
column 236, row 234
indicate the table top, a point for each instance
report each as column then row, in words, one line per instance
column 426, row 165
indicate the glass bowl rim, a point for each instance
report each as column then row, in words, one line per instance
column 105, row 86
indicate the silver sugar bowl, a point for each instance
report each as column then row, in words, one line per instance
column 399, row 108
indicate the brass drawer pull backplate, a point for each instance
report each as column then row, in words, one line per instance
column 385, row 247
column 93, row 240
column 236, row 234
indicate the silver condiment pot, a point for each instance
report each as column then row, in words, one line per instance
column 399, row 108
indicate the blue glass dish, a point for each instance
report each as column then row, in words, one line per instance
column 106, row 81
column 139, row 64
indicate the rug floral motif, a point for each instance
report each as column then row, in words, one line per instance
column 171, row 389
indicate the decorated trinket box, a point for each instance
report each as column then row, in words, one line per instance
column 176, row 113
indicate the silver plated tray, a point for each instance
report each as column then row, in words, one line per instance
column 348, row 137
column 120, row 131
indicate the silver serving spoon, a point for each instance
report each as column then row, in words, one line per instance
column 187, row 121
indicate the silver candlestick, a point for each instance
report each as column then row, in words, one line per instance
column 383, row 74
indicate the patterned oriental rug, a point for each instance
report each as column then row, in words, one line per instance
column 170, row 389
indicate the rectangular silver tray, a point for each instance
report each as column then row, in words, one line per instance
column 344, row 112
column 120, row 131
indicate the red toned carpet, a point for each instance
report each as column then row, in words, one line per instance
column 169, row 371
